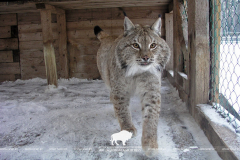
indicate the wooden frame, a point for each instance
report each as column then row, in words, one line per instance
column 48, row 49
column 198, row 43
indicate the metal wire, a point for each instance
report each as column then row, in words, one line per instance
column 225, row 59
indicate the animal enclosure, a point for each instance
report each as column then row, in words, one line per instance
column 25, row 43
column 54, row 39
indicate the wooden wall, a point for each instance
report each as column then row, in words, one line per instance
column 80, row 24
column 9, row 53
column 31, row 45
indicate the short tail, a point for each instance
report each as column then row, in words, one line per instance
column 99, row 33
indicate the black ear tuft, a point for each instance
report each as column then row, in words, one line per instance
column 124, row 13
column 159, row 15
column 97, row 29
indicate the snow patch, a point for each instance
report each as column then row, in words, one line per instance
column 76, row 121
column 214, row 116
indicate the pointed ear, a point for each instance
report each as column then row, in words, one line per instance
column 128, row 25
column 156, row 26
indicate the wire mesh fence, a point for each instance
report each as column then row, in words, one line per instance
column 225, row 59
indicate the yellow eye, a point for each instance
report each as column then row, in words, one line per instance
column 135, row 45
column 153, row 45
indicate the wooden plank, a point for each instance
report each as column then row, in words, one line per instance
column 32, row 61
column 37, row 36
column 198, row 34
column 5, row 32
column 9, row 44
column 84, row 64
column 109, row 4
column 35, row 53
column 177, row 54
column 48, row 49
column 85, row 75
column 53, row 9
column 32, row 28
column 84, row 34
column 10, row 7
column 7, row 77
column 28, row 72
column 183, row 32
column 115, row 13
column 215, row 49
column 139, row 12
column 7, row 7
column 25, row 18
column 10, row 68
column 224, row 140
column 6, row 56
column 29, row 45
column 8, row 19
column 84, row 68
column 34, row 45
column 169, row 37
column 81, row 47
column 63, row 56
column 108, row 23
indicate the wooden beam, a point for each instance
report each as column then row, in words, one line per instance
column 62, row 36
column 9, row 44
column 10, row 68
column 177, row 36
column 8, row 19
column 183, row 31
column 6, row 56
column 227, row 148
column 53, row 9
column 215, row 49
column 48, row 49
column 198, row 37
column 5, row 32
column 169, row 37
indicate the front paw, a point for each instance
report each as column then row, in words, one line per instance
column 150, row 147
column 132, row 129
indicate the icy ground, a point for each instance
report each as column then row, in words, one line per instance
column 76, row 121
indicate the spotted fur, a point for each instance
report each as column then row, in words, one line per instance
column 132, row 64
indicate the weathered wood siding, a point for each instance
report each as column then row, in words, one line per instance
column 9, row 53
column 80, row 24
column 31, row 44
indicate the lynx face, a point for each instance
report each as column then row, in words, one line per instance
column 141, row 49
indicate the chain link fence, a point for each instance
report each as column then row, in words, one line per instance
column 225, row 59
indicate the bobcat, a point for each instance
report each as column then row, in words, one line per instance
column 131, row 64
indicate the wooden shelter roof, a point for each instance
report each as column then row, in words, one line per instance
column 30, row 5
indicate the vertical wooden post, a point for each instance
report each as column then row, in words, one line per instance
column 63, row 58
column 177, row 52
column 169, row 37
column 48, row 49
column 198, row 43
column 215, row 48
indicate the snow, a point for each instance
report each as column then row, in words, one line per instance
column 76, row 121
column 229, row 84
column 183, row 75
column 215, row 117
